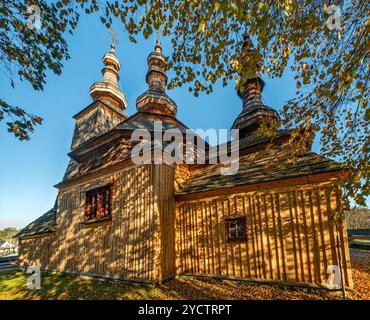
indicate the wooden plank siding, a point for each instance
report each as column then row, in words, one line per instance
column 133, row 245
column 154, row 235
column 164, row 202
column 37, row 250
column 288, row 235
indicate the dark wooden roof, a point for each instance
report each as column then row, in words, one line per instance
column 255, row 139
column 103, row 101
column 43, row 224
column 142, row 122
column 113, row 154
column 252, row 172
column 119, row 148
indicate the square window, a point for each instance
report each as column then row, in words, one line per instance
column 98, row 204
column 235, row 229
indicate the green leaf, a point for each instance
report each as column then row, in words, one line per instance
column 132, row 39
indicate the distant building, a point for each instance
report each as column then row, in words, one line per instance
column 149, row 222
column 8, row 248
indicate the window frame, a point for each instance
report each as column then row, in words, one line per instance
column 227, row 229
column 94, row 197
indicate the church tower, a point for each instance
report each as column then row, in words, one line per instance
column 108, row 107
column 108, row 89
column 254, row 112
column 155, row 99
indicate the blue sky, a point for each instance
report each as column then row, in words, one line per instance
column 28, row 170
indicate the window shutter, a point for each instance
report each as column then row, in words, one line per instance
column 98, row 203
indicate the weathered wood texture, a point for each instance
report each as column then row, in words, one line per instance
column 150, row 237
column 163, row 182
column 129, row 246
column 36, row 250
column 95, row 120
column 289, row 237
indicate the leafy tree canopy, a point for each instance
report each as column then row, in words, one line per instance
column 328, row 53
column 8, row 234
column 330, row 60
column 26, row 53
column 358, row 218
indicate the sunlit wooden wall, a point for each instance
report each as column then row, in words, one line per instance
column 288, row 236
column 152, row 236
column 131, row 246
column 36, row 250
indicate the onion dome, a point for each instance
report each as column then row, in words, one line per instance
column 254, row 112
column 108, row 89
column 155, row 99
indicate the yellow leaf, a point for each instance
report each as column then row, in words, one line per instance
column 202, row 26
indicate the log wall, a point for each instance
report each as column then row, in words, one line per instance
column 126, row 247
column 288, row 236
column 152, row 237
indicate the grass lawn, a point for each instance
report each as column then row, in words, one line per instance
column 62, row 286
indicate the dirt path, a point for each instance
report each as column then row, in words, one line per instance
column 360, row 262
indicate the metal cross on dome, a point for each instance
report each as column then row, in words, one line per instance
column 157, row 36
column 114, row 35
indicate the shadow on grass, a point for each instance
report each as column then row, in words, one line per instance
column 57, row 286
column 54, row 286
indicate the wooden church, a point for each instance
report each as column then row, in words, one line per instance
column 147, row 223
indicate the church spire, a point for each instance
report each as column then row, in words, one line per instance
column 108, row 89
column 155, row 99
column 158, row 44
column 250, row 91
column 112, row 66
column 156, row 76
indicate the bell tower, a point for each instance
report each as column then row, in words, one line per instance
column 108, row 107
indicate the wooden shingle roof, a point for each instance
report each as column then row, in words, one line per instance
column 252, row 172
column 142, row 122
column 43, row 224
